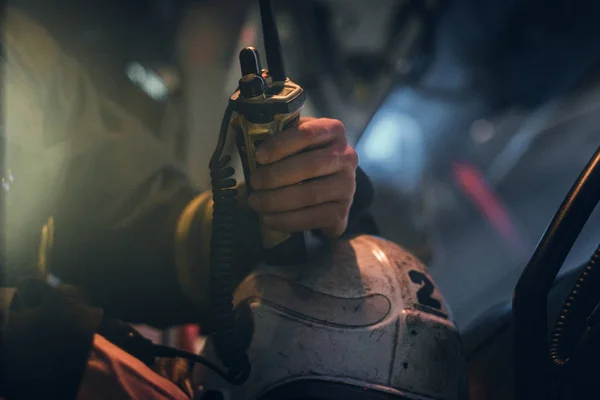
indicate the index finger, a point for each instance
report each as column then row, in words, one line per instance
column 309, row 134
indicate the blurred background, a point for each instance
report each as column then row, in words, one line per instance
column 472, row 117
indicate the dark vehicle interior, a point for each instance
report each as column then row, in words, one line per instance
column 473, row 119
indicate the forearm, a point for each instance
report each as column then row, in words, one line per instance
column 130, row 270
column 129, row 226
column 152, row 265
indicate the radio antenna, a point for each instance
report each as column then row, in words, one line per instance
column 272, row 43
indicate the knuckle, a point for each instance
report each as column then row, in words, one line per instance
column 350, row 173
column 325, row 127
column 341, row 184
column 310, row 129
column 338, row 131
column 317, row 159
column 334, row 155
column 355, row 159
column 345, row 155
column 337, row 159
column 346, row 163
column 351, row 156
column 305, row 119
column 337, row 127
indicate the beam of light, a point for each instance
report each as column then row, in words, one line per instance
column 393, row 144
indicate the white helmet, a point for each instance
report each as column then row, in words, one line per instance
column 363, row 320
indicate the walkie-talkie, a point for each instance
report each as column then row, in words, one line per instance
column 265, row 103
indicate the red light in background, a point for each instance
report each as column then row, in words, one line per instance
column 472, row 182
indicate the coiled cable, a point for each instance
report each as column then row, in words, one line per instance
column 228, row 338
column 572, row 320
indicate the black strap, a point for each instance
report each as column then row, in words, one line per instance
column 359, row 219
column 363, row 197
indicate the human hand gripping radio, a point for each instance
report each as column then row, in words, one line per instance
column 306, row 180
column 300, row 176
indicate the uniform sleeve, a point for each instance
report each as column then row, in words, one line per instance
column 111, row 373
column 128, row 225
column 113, row 193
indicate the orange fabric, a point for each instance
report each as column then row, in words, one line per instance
column 114, row 374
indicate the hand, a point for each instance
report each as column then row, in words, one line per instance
column 306, row 179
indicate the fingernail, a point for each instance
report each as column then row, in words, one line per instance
column 262, row 156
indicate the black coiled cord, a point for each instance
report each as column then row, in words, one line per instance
column 572, row 319
column 228, row 338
